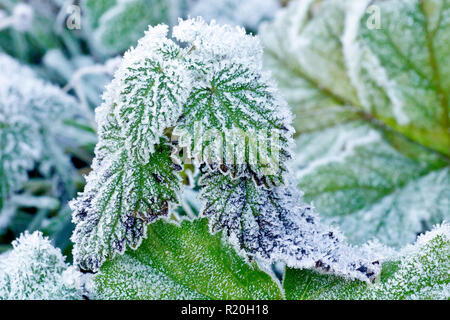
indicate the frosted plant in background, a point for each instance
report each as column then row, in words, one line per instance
column 372, row 112
column 157, row 270
column 34, row 269
column 33, row 133
column 245, row 13
column 211, row 81
column 419, row 271
column 21, row 18
column 115, row 25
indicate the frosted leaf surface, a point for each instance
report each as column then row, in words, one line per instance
column 401, row 70
column 95, row 9
column 419, row 271
column 275, row 225
column 246, row 13
column 183, row 262
column 303, row 50
column 369, row 187
column 133, row 179
column 32, row 115
column 35, row 270
column 214, row 84
column 233, row 95
column 371, row 106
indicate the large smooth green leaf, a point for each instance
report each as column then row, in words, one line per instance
column 420, row 272
column 371, row 106
column 124, row 21
column 183, row 262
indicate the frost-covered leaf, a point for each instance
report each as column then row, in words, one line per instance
column 244, row 13
column 420, row 271
column 369, row 187
column 119, row 200
column 407, row 61
column 32, row 129
column 34, row 269
column 275, row 225
column 371, row 106
column 303, row 49
column 95, row 9
column 125, row 21
column 234, row 104
column 183, row 262
column 132, row 181
column 206, row 89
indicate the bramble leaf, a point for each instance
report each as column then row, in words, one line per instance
column 183, row 262
column 133, row 179
column 234, row 106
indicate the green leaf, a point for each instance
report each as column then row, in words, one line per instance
column 372, row 155
column 183, row 262
column 333, row 66
column 420, row 272
column 411, row 49
column 357, row 179
column 32, row 130
column 133, row 180
column 95, row 9
column 120, row 199
column 303, row 50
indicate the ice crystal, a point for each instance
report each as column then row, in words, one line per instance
column 34, row 269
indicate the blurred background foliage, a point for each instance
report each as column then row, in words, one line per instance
column 362, row 168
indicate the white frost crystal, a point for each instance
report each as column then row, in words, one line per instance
column 34, row 269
